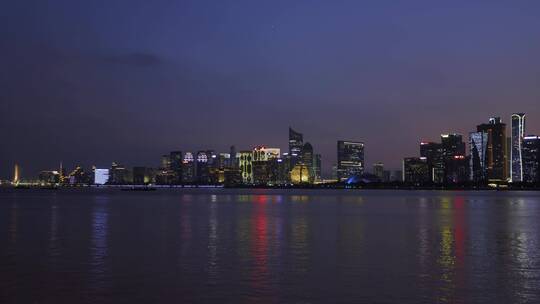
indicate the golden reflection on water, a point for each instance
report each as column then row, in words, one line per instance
column 446, row 258
column 423, row 234
column 451, row 251
column 300, row 227
column 299, row 198
column 352, row 199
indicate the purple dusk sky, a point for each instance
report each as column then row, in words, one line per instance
column 91, row 82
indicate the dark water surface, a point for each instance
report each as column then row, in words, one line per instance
column 269, row 246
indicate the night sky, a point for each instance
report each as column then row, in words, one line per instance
column 101, row 81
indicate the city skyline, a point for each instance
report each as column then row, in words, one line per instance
column 491, row 157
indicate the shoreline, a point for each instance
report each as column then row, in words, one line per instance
column 142, row 188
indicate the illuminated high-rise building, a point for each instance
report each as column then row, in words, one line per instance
column 350, row 157
column 188, row 168
column 281, row 169
column 296, row 143
column 443, row 158
column 101, row 176
column 245, row 164
column 203, row 169
column 433, row 152
column 261, row 164
column 509, row 159
column 452, row 144
column 531, row 159
column 454, row 160
column 478, row 143
column 496, row 148
column 518, row 132
column 16, row 174
column 62, row 172
column 300, row 174
column 262, row 153
column 224, row 160
column 457, row 169
column 416, row 170
column 307, row 159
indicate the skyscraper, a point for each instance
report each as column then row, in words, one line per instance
column 261, row 164
column 452, row 145
column 296, row 142
column 531, row 159
column 350, row 157
column 518, row 132
column 176, row 166
column 496, row 148
column 62, row 172
column 416, row 170
column 203, row 169
column 433, row 152
column 246, row 166
column 307, row 159
column 101, row 176
column 233, row 162
column 453, row 155
column 188, row 168
column 457, row 169
column 478, row 142
column 300, row 174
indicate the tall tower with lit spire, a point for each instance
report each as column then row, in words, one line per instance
column 518, row 132
column 16, row 174
column 61, row 173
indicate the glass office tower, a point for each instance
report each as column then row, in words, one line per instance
column 518, row 132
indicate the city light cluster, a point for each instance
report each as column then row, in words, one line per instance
column 493, row 158
column 255, row 167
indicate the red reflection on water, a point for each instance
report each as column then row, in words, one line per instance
column 261, row 199
column 459, row 229
column 259, row 250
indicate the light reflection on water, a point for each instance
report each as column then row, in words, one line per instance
column 213, row 266
column 268, row 247
column 99, row 251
